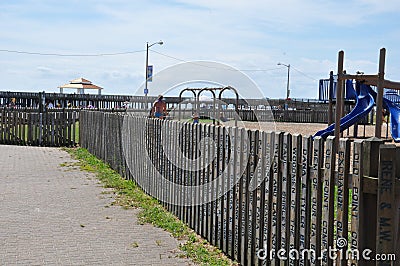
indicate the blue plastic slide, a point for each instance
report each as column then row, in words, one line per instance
column 364, row 104
column 392, row 96
column 394, row 119
column 394, row 114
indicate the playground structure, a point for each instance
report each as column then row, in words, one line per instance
column 214, row 100
column 365, row 100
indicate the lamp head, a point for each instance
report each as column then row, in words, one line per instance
column 159, row 42
column 281, row 64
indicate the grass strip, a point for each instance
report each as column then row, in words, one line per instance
column 130, row 195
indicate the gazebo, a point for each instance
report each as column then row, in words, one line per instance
column 80, row 85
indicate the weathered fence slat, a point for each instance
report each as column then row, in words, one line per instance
column 218, row 189
column 236, row 191
column 230, row 164
column 316, row 199
column 342, row 200
column 209, row 142
column 328, row 188
column 268, row 181
column 196, row 177
column 241, row 199
column 227, row 184
column 259, row 187
column 295, row 183
column 304, row 241
column 285, row 192
column 386, row 225
column 204, row 175
column 276, row 196
column 213, row 208
column 251, row 200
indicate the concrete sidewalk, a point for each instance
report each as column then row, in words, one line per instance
column 53, row 215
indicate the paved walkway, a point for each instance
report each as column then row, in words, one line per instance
column 53, row 215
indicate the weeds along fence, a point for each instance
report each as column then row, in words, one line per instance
column 251, row 193
column 27, row 127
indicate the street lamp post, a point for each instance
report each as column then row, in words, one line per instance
column 147, row 66
column 288, row 75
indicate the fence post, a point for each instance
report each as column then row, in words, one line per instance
column 368, row 210
column 330, row 106
column 42, row 100
column 385, row 237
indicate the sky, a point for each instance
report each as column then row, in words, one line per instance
column 45, row 44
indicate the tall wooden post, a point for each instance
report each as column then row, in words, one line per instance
column 42, row 101
column 330, row 106
column 368, row 226
column 339, row 98
column 343, row 98
column 379, row 98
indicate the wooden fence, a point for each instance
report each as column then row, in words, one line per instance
column 262, row 115
column 26, row 127
column 289, row 192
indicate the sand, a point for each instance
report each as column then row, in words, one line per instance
column 312, row 128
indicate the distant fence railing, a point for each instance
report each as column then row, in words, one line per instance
column 277, row 115
column 288, row 192
column 27, row 127
column 54, row 127
column 261, row 115
column 293, row 116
